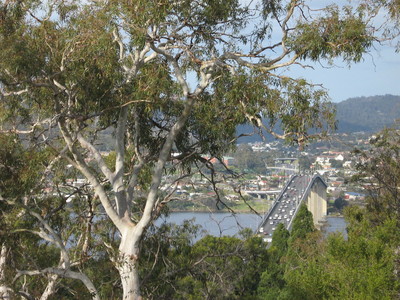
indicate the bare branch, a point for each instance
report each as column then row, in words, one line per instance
column 97, row 156
column 137, row 167
column 65, row 273
column 53, row 237
column 80, row 164
column 17, row 93
column 118, row 184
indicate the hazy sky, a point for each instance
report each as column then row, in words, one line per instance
column 378, row 74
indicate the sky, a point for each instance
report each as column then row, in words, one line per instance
column 377, row 74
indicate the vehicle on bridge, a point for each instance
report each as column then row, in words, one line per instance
column 299, row 189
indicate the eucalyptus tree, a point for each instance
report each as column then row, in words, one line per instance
column 390, row 29
column 379, row 172
column 171, row 80
column 39, row 235
column 223, row 268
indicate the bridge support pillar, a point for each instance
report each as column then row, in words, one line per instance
column 316, row 202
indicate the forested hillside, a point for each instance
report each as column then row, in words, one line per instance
column 367, row 113
column 370, row 114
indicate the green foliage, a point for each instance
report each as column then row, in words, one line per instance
column 336, row 163
column 279, row 243
column 223, row 268
column 340, row 203
column 366, row 264
column 331, row 36
column 379, row 168
column 360, row 267
column 272, row 281
column 303, row 224
column 305, row 272
column 166, row 258
column 315, row 268
column 19, row 167
column 249, row 161
column 70, row 70
column 359, row 114
column 304, row 163
column 391, row 25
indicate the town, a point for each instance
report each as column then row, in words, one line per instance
column 262, row 169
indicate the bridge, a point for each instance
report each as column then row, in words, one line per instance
column 283, row 168
column 298, row 189
column 270, row 194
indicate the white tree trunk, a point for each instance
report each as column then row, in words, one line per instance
column 4, row 290
column 127, row 265
column 50, row 288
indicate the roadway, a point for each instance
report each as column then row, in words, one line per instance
column 285, row 207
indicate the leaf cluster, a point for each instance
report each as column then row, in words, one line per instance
column 379, row 171
column 331, row 36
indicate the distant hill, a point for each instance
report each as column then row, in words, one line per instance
column 370, row 114
column 367, row 113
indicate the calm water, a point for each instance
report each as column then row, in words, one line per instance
column 227, row 224
column 336, row 224
column 216, row 224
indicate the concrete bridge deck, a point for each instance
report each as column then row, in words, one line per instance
column 299, row 188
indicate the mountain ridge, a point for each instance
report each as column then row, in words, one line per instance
column 369, row 114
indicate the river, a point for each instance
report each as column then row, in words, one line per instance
column 335, row 224
column 227, row 224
